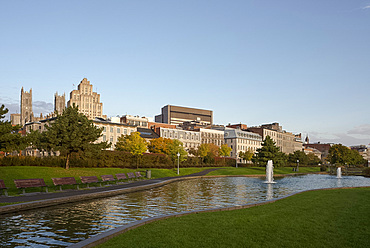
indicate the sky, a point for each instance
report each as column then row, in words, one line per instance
column 303, row 64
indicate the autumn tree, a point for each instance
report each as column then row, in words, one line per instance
column 246, row 155
column 175, row 147
column 159, row 145
column 225, row 150
column 71, row 132
column 339, row 154
column 133, row 144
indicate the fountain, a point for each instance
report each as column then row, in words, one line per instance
column 269, row 172
column 339, row 172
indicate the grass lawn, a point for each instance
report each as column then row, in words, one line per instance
column 9, row 173
column 330, row 218
column 261, row 170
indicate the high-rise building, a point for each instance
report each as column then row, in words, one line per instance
column 59, row 103
column 87, row 101
column 26, row 106
column 177, row 115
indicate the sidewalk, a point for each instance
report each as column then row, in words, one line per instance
column 37, row 200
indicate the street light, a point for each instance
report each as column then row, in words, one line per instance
column 178, row 163
column 297, row 164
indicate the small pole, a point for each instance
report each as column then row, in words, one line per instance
column 297, row 164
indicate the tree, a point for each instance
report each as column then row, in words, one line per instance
column 133, row 144
column 269, row 151
column 225, row 150
column 339, row 154
column 177, row 147
column 159, row 145
column 10, row 138
column 208, row 152
column 247, row 155
column 298, row 155
column 71, row 132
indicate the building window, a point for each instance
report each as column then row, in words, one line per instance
column 125, row 131
column 104, row 129
column 111, row 129
column 104, row 138
column 118, row 130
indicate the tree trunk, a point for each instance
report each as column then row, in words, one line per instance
column 137, row 162
column 67, row 162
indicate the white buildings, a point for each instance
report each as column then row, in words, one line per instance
column 190, row 139
column 241, row 141
column 112, row 131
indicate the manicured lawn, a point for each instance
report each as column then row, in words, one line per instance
column 330, row 218
column 9, row 173
column 261, row 170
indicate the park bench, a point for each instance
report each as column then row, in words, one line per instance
column 60, row 181
column 131, row 175
column 3, row 188
column 107, row 178
column 138, row 175
column 89, row 179
column 121, row 176
column 30, row 183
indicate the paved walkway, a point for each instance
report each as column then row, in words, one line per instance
column 92, row 191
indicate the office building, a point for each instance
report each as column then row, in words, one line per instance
column 177, row 115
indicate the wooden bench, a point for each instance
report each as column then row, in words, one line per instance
column 30, row 183
column 138, row 175
column 107, row 178
column 3, row 188
column 121, row 176
column 60, row 181
column 131, row 175
column 89, row 179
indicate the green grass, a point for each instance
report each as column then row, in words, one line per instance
column 9, row 173
column 261, row 170
column 331, row 218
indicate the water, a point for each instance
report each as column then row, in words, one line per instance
column 269, row 172
column 70, row 223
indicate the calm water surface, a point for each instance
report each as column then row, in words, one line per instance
column 70, row 223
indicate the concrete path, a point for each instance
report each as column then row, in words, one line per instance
column 79, row 194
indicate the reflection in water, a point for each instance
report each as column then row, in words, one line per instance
column 70, row 223
column 270, row 192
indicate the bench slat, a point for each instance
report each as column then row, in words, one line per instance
column 121, row 176
column 64, row 181
column 29, row 183
column 107, row 178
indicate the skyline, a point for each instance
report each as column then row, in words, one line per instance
column 302, row 64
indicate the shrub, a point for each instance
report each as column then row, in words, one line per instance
column 366, row 172
column 323, row 168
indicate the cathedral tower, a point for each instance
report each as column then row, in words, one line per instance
column 59, row 103
column 26, row 106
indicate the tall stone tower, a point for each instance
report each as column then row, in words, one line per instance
column 87, row 101
column 59, row 103
column 26, row 106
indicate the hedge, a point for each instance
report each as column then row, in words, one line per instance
column 113, row 159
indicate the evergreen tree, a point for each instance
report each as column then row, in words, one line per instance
column 10, row 138
column 71, row 132
column 269, row 151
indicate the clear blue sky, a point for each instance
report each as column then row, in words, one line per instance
column 304, row 64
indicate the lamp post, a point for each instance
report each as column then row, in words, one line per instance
column 178, row 163
column 297, row 164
